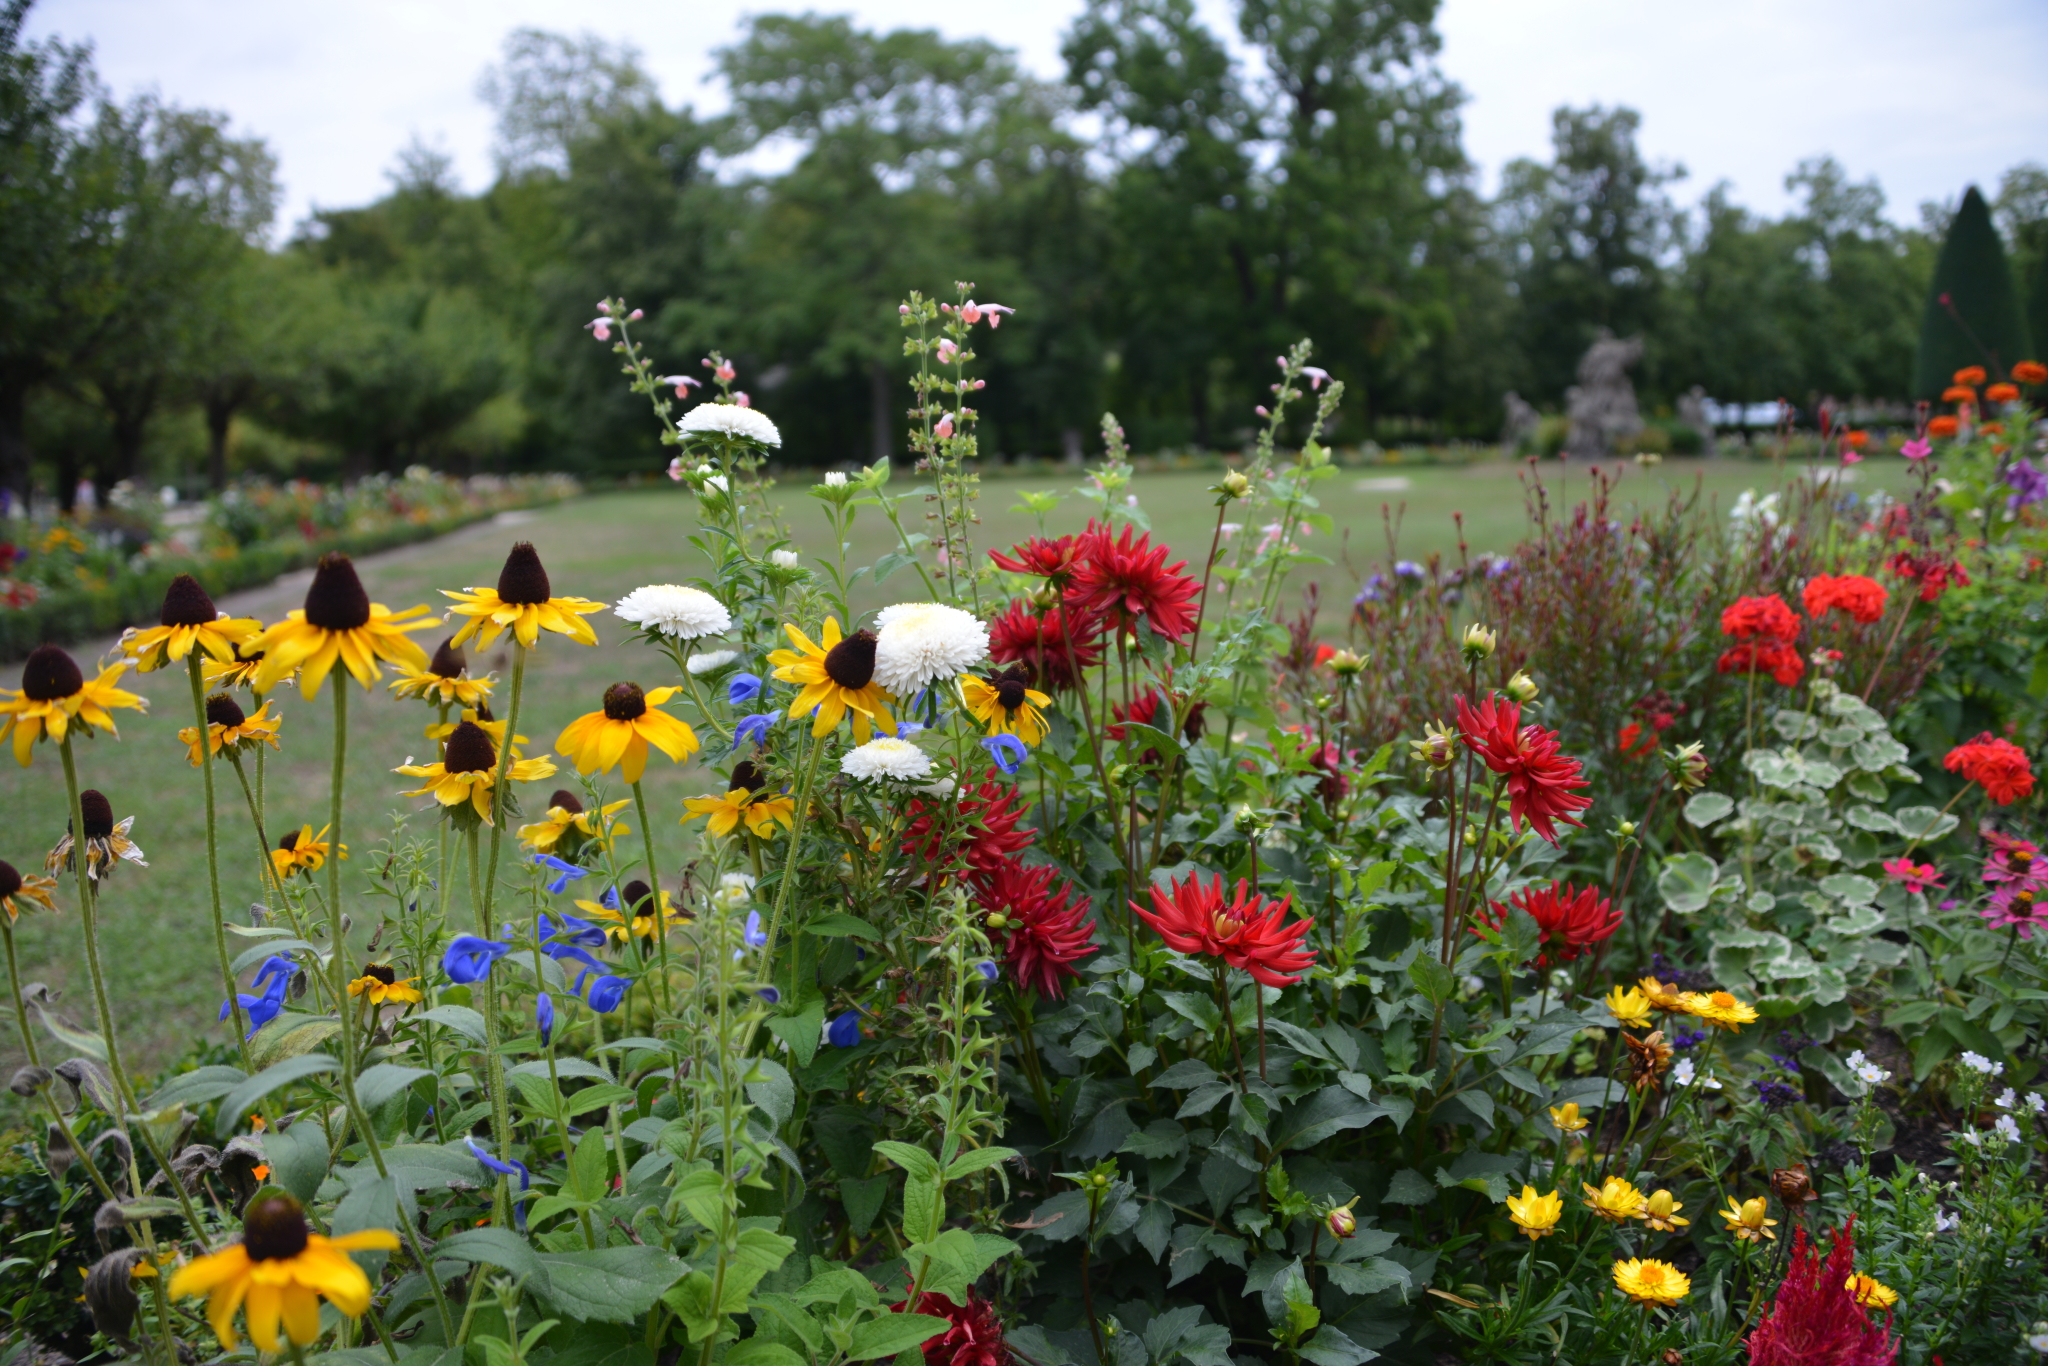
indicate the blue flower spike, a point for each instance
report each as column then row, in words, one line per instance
column 1008, row 751
column 469, row 958
column 744, row 688
column 844, row 1031
column 544, row 1016
column 566, row 873
column 506, row 1167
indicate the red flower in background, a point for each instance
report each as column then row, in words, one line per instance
column 1044, row 932
column 1943, row 426
column 1572, row 922
column 1540, row 781
column 1769, row 617
column 1249, row 932
column 1038, row 641
column 1934, row 573
column 2030, row 372
column 1999, row 766
column 976, row 1335
column 1145, row 710
column 1634, row 743
column 1047, row 558
column 1861, row 597
column 1125, row 580
column 1815, row 1319
column 982, row 822
column 1773, row 657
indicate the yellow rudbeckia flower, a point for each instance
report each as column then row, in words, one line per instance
column 1006, row 705
column 55, row 697
column 31, row 891
column 568, row 826
column 278, row 1273
column 338, row 625
column 302, row 851
column 468, row 771
column 835, row 676
column 227, row 728
column 523, row 603
column 189, row 621
column 618, row 734
column 445, row 680
column 383, row 985
column 743, row 802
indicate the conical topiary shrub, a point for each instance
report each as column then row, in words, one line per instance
column 1973, row 312
column 2037, row 309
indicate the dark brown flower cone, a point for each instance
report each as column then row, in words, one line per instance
column 274, row 1229
column 98, row 813
column 524, row 581
column 470, row 749
column 222, row 710
column 186, row 604
column 10, row 879
column 624, row 702
column 851, row 663
column 449, row 661
column 337, row 600
column 567, row 801
column 290, row 841
column 635, row 898
column 747, row 776
column 50, row 674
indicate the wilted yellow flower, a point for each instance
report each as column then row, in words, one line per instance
column 1660, row 996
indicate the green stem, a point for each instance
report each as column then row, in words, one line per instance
column 220, row 934
column 500, row 794
column 494, row 1062
column 796, row 835
column 653, row 881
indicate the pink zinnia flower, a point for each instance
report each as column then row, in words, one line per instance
column 1916, row 449
column 1914, row 877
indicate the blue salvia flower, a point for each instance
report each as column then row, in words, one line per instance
column 506, row 1167
column 1007, row 750
column 755, row 935
column 753, row 728
column 606, row 992
column 844, row 1031
column 269, row 1004
column 568, row 929
column 274, row 966
column 770, row 995
column 744, row 688
column 566, row 872
column 469, row 957
column 990, row 973
column 544, row 1016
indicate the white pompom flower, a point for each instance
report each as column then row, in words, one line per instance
column 673, row 609
column 886, row 757
column 711, row 661
column 730, row 420
column 919, row 643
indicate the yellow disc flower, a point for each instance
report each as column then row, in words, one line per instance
column 1615, row 1199
column 1747, row 1222
column 1648, row 1281
column 445, row 680
column 106, row 841
column 382, row 985
column 1006, row 704
column 227, row 728
column 1629, row 1007
column 239, row 670
column 569, row 827
column 189, row 621
column 1567, row 1117
column 636, row 896
column 55, row 697
column 338, row 624
column 280, row 1272
column 1720, row 1009
column 523, row 603
column 618, row 733
column 1661, row 997
column 836, row 676
column 1660, row 1212
column 469, row 769
column 30, row 891
column 1870, row 1292
column 1536, row 1215
column 301, row 851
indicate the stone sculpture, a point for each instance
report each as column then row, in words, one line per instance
column 1692, row 411
column 1603, row 404
column 1520, row 425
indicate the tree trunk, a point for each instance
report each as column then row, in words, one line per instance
column 15, row 472
column 1198, row 407
column 881, row 430
column 131, row 412
column 220, row 419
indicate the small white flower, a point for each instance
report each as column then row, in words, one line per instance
column 1471, row 984
column 1944, row 1222
column 2008, row 1128
column 717, row 484
column 1856, row 1060
column 1870, row 1074
column 1682, row 1074
column 784, row 559
column 730, row 420
column 1971, row 1137
column 942, row 789
column 711, row 661
column 1130, row 500
column 835, row 479
column 2035, row 1102
column 674, row 610
column 1229, row 529
column 1977, row 1062
column 2008, row 1099
column 735, row 890
column 886, row 757
column 2039, row 1342
column 922, row 642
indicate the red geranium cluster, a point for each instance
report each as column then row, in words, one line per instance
column 1571, row 921
column 1540, row 781
column 1863, row 598
column 1998, row 766
column 1815, row 1319
column 1934, row 573
column 1764, row 629
column 1248, row 932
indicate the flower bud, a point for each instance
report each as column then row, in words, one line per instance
column 1346, row 664
column 1245, row 820
column 1687, row 767
column 1438, row 746
column 1478, row 643
column 1099, row 1180
column 1341, row 1222
column 1625, row 829
column 1521, row 688
column 1234, row 485
column 998, row 921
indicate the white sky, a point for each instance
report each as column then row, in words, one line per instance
column 1922, row 96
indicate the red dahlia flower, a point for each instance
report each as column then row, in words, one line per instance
column 1815, row 1319
column 982, row 823
column 1541, row 781
column 1043, row 932
column 1145, row 710
column 1773, row 657
column 1571, row 922
column 1768, row 617
column 1250, row 932
column 1125, row 580
column 1046, row 558
column 1861, row 597
column 1038, row 641
column 1935, row 574
column 976, row 1335
column 1999, row 766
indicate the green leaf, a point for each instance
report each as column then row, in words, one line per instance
column 464, row 1021
column 1924, row 823
column 1141, row 737
column 1432, row 978
column 297, row 1157
column 244, row 1097
column 762, row 1250
column 912, row 1159
column 499, row 1247
column 889, row 1334
column 770, row 1087
column 978, row 1159
column 760, row 1352
column 293, row 1036
column 596, row 1097
column 1330, row 1347
column 609, row 1284
column 1185, row 1075
column 199, row 1085
column 705, row 1195
column 863, row 1197
column 380, row 1083
column 1687, row 882
column 801, row 1031
column 1409, row 1187
column 838, row 925
column 1705, row 808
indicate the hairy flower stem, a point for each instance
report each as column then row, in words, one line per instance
column 796, row 834
column 336, row 932
column 494, row 1061
column 653, row 881
column 1095, row 753
column 220, row 934
column 500, row 784
column 28, row 1043
column 1877, row 670
column 1208, row 568
column 1230, row 1025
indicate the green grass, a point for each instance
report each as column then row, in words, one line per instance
column 158, row 942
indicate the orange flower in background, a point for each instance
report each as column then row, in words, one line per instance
column 1249, row 932
column 1768, row 617
column 1942, row 427
column 1959, row 393
column 2030, row 372
column 1969, row 374
column 2002, row 393
column 1862, row 598
column 1856, row 440
column 1999, row 766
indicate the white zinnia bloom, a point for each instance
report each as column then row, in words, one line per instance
column 886, row 757
column 731, row 420
column 675, row 610
column 711, row 661
column 922, row 642
column 784, row 559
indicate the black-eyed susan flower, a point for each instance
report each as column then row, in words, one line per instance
column 239, row 670
column 743, row 802
column 1536, row 1215
column 468, row 771
column 55, row 698
column 618, row 734
column 383, row 986
column 188, row 621
column 445, row 680
column 278, row 1273
column 20, row 893
column 1648, row 1281
column 523, row 603
column 302, row 851
column 836, row 676
column 227, row 728
column 567, row 827
column 338, row 624
column 106, row 840
column 1006, row 704
column 637, row 899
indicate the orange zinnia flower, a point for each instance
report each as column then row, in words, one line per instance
column 2002, row 393
column 1942, row 426
column 1969, row 374
column 1959, row 393
column 2030, row 372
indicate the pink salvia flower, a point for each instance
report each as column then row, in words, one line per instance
column 948, row 352
column 676, row 471
column 725, row 372
column 600, row 328
column 740, row 399
column 945, row 427
column 604, row 306
column 972, row 313
column 683, row 384
column 1316, row 376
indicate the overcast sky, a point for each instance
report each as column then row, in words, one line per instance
column 1925, row 98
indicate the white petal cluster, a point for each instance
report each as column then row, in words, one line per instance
column 675, row 610
column 917, row 643
column 729, row 419
column 711, row 661
column 735, row 890
column 886, row 757
column 1978, row 1063
column 1866, row 1071
column 2008, row 1128
column 784, row 559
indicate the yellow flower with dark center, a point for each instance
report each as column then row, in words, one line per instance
column 1720, row 1009
column 1870, row 1292
column 106, row 841
column 1567, row 1117
column 338, row 624
column 228, row 729
column 468, row 771
column 237, row 671
column 188, row 620
column 55, row 698
column 1648, row 1281
column 1615, row 1199
column 1660, row 1212
column 742, row 802
column 493, row 727
column 1662, row 997
column 301, row 851
column 382, row 985
column 523, row 603
column 1629, row 1007
column 636, row 898
column 1006, row 704
column 1747, row 1222
column 836, row 676
column 279, row 1273
column 19, row 893
column 618, row 734
column 568, row 827
column 445, row 680
column 1536, row 1215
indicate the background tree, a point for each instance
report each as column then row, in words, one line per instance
column 1973, row 313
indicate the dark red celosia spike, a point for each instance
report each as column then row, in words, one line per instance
column 1815, row 1319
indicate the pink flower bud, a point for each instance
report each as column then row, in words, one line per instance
column 604, row 306
column 945, row 427
column 706, row 362
column 1342, row 1223
column 981, row 384
column 740, row 398
column 948, row 352
column 1280, row 361
column 1261, row 411
column 904, row 309
column 675, row 469
column 725, row 372
column 635, row 316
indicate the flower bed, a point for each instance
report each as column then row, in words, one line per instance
column 1080, row 962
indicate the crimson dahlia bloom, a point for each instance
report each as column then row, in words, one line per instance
column 984, row 829
column 976, row 1335
column 1766, row 617
column 1863, row 598
column 1045, row 932
column 1045, row 557
column 1571, row 922
column 1934, row 573
column 1999, row 766
column 1038, row 641
column 1249, row 932
column 1815, row 1319
column 1124, row 579
column 1540, row 781
column 1151, row 709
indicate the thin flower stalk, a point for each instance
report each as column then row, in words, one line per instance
column 220, row 934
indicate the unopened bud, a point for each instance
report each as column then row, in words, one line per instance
column 1478, row 643
column 1234, row 485
column 1099, row 1180
column 1521, row 688
column 1341, row 1222
column 1346, row 664
column 1687, row 767
column 1046, row 598
column 1246, row 820
column 998, row 921
column 1438, row 746
column 1625, row 829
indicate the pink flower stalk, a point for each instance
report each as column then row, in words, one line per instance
column 945, row 427
column 1916, row 449
column 1914, row 877
column 972, row 313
